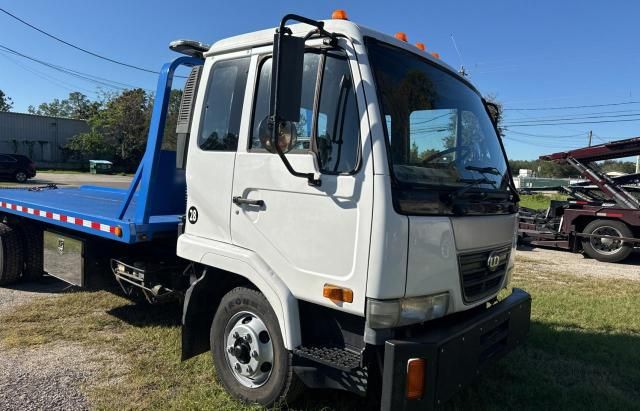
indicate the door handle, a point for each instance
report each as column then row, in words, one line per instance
column 245, row 201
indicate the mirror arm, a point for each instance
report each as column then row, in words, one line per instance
column 282, row 31
column 319, row 25
column 311, row 177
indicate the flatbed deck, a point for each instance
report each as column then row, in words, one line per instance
column 89, row 209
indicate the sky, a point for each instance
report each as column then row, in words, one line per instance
column 536, row 57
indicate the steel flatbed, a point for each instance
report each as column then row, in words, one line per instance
column 152, row 206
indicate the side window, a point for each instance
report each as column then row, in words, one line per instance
column 261, row 110
column 338, row 128
column 337, row 138
column 223, row 105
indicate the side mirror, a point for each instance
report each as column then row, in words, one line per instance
column 288, row 65
column 286, row 135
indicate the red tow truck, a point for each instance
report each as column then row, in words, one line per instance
column 602, row 215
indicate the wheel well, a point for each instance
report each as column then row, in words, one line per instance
column 581, row 222
column 208, row 286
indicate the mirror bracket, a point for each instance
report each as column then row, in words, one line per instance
column 285, row 35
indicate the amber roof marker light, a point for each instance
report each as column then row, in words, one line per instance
column 339, row 14
column 435, row 55
column 421, row 46
column 401, row 36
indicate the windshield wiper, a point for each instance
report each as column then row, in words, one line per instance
column 470, row 184
column 484, row 170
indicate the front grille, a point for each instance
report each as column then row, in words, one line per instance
column 478, row 280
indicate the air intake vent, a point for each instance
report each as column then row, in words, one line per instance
column 188, row 97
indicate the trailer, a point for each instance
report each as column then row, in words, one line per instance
column 602, row 215
column 264, row 221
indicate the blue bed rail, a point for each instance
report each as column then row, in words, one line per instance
column 153, row 203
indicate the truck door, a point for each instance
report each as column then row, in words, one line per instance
column 212, row 148
column 310, row 235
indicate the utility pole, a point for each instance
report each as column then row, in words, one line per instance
column 590, row 135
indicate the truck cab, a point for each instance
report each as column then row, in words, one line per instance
column 350, row 213
column 349, row 219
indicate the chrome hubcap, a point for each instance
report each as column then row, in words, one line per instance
column 21, row 177
column 606, row 245
column 249, row 350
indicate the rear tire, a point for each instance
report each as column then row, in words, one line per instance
column 11, row 255
column 605, row 250
column 32, row 241
column 21, row 176
column 243, row 311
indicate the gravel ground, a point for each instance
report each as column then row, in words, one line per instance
column 47, row 377
column 577, row 264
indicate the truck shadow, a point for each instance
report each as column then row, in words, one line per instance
column 44, row 285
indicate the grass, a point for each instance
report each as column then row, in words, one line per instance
column 539, row 201
column 582, row 352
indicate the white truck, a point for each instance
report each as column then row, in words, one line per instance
column 349, row 218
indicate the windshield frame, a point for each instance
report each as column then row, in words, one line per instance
column 508, row 191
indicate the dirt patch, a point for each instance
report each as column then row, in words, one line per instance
column 13, row 296
column 538, row 260
column 50, row 376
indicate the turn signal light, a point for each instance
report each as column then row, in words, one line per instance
column 421, row 46
column 436, row 55
column 339, row 15
column 118, row 231
column 401, row 36
column 336, row 293
column 415, row 378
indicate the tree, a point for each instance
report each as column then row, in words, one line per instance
column 496, row 111
column 123, row 124
column 77, row 106
column 6, row 103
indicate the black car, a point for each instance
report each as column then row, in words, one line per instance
column 17, row 167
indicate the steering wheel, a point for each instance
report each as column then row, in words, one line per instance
column 460, row 149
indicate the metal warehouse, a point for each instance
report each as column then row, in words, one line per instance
column 39, row 137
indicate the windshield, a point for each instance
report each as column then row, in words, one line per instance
column 440, row 138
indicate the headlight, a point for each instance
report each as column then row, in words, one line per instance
column 405, row 311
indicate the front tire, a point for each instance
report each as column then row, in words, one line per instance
column 603, row 249
column 249, row 355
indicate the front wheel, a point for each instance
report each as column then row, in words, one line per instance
column 249, row 355
column 607, row 249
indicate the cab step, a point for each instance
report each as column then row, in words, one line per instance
column 336, row 357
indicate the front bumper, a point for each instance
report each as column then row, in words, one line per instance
column 455, row 351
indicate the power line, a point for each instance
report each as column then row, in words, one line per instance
column 61, row 83
column 579, row 122
column 78, row 74
column 545, row 135
column 78, row 47
column 528, row 117
column 521, row 121
column 572, row 107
